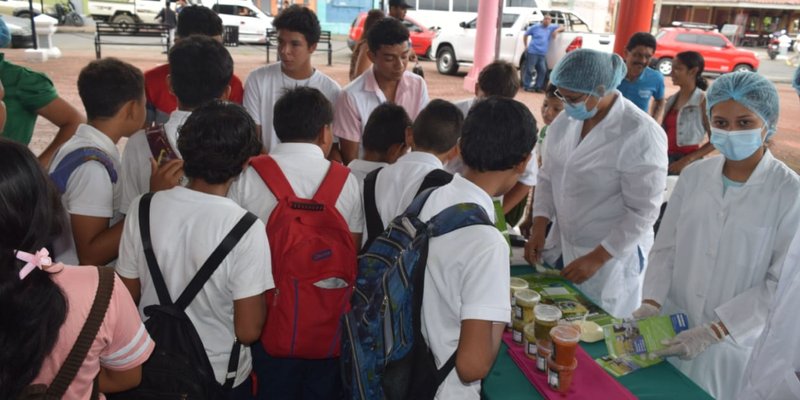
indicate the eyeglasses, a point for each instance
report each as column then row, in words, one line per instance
column 565, row 100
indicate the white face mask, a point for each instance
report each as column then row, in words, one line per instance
column 737, row 145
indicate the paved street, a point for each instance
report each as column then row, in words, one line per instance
column 78, row 49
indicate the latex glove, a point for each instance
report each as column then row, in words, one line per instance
column 690, row 343
column 646, row 310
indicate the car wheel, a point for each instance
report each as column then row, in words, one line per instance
column 742, row 68
column 664, row 66
column 126, row 23
column 446, row 61
column 23, row 14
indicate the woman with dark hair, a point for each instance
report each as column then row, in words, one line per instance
column 43, row 304
column 685, row 120
column 359, row 62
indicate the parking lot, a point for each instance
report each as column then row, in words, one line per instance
column 78, row 49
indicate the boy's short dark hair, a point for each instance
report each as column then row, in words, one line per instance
column 300, row 19
column 438, row 126
column 498, row 134
column 385, row 127
column 641, row 39
column 105, row 85
column 200, row 70
column 389, row 32
column 216, row 140
column 300, row 114
column 499, row 78
column 198, row 20
column 550, row 91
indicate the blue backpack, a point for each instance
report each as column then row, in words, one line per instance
column 384, row 355
column 76, row 158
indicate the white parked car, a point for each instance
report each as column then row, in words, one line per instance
column 455, row 47
column 252, row 22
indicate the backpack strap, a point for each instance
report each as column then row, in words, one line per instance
column 76, row 158
column 164, row 298
column 332, row 185
column 371, row 215
column 456, row 217
column 68, row 370
column 415, row 207
column 435, row 178
column 273, row 177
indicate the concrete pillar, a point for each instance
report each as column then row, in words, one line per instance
column 485, row 40
column 46, row 26
column 633, row 16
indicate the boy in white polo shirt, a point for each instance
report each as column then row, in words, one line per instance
column 303, row 119
column 200, row 71
column 433, row 142
column 188, row 223
column 298, row 34
column 384, row 139
column 465, row 302
column 112, row 93
column 386, row 81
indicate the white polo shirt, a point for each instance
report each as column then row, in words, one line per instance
column 136, row 169
column 304, row 166
column 89, row 189
column 397, row 184
column 362, row 95
column 466, row 278
column 185, row 228
column 264, row 87
column 465, row 105
column 361, row 168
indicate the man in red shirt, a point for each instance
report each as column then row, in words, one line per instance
column 194, row 20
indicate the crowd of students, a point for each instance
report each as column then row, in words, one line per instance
column 213, row 186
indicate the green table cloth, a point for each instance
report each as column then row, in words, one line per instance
column 662, row 381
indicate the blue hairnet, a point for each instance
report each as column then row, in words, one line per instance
column 751, row 90
column 589, row 71
column 796, row 81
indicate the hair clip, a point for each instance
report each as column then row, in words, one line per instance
column 40, row 259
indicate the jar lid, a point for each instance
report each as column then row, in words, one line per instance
column 518, row 283
column 546, row 312
column 565, row 333
column 527, row 296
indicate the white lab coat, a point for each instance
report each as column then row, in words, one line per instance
column 770, row 373
column 606, row 189
column 719, row 258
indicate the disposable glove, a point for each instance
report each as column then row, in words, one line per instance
column 690, row 343
column 645, row 311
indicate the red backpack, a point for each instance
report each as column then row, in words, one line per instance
column 313, row 265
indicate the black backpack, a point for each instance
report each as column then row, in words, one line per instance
column 435, row 178
column 179, row 367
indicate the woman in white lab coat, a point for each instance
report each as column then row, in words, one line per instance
column 724, row 237
column 604, row 182
column 772, row 372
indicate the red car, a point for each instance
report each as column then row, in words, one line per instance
column 720, row 55
column 421, row 37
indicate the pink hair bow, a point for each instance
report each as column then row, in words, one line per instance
column 40, row 259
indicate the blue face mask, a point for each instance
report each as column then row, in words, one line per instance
column 579, row 111
column 736, row 145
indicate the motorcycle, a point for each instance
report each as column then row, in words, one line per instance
column 772, row 47
column 65, row 13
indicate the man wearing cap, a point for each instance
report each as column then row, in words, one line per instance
column 398, row 9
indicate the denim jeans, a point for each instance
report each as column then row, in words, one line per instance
column 538, row 62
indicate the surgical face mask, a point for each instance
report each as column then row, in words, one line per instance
column 579, row 111
column 736, row 145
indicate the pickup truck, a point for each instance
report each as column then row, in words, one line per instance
column 455, row 47
column 127, row 12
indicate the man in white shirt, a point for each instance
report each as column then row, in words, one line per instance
column 112, row 93
column 465, row 302
column 384, row 139
column 433, row 142
column 386, row 81
column 200, row 71
column 298, row 33
column 303, row 119
column 188, row 223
